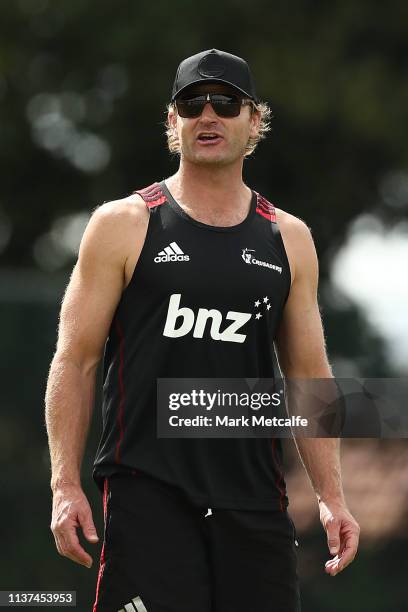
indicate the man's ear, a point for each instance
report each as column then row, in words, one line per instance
column 172, row 118
column 255, row 122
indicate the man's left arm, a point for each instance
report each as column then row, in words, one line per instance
column 302, row 355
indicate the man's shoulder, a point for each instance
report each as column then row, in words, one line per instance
column 298, row 242
column 115, row 226
column 131, row 208
column 292, row 225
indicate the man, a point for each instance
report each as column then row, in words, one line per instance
column 192, row 277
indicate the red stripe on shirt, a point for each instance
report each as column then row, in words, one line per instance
column 265, row 208
column 279, row 478
column 152, row 195
column 102, row 559
column 119, row 418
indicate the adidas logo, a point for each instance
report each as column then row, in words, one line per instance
column 136, row 604
column 171, row 253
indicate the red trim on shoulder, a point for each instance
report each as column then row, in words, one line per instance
column 152, row 195
column 265, row 208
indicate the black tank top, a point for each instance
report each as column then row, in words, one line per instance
column 186, row 263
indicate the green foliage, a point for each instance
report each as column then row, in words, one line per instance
column 334, row 74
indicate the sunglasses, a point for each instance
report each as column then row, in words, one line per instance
column 224, row 105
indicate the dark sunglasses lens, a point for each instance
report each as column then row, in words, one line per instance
column 226, row 105
column 190, row 106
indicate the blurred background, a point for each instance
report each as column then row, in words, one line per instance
column 83, row 89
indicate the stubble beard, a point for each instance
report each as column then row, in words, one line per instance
column 219, row 160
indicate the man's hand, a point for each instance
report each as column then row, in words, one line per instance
column 343, row 534
column 70, row 509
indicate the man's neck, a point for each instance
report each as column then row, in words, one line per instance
column 217, row 196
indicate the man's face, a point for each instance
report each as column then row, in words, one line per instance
column 232, row 132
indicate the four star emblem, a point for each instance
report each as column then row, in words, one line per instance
column 265, row 300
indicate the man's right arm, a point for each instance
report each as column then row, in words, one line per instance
column 92, row 295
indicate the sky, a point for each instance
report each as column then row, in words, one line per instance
column 371, row 269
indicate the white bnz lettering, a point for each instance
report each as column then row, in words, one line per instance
column 188, row 319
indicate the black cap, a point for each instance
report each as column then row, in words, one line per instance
column 216, row 67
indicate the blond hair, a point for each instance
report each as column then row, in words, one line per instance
column 264, row 127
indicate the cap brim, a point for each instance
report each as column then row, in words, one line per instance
column 198, row 81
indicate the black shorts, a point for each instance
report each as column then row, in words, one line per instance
column 162, row 554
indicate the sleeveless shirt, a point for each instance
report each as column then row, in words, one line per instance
column 226, row 271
